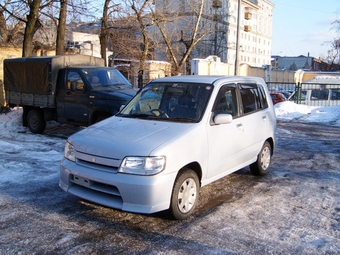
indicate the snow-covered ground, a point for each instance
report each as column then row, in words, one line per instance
column 295, row 209
column 287, row 111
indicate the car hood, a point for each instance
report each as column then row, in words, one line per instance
column 117, row 137
column 115, row 93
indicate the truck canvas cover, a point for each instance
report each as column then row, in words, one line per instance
column 38, row 75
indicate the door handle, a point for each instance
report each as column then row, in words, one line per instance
column 240, row 127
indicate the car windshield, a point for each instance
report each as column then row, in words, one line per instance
column 103, row 78
column 182, row 102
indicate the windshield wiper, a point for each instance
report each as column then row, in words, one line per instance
column 115, row 86
column 139, row 115
column 184, row 119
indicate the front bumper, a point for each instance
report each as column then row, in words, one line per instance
column 132, row 193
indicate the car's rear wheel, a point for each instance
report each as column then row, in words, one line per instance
column 185, row 194
column 261, row 165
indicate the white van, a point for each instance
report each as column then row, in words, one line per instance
column 319, row 91
column 175, row 136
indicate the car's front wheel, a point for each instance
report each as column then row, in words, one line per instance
column 185, row 194
column 261, row 165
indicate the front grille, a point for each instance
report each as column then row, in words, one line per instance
column 97, row 162
column 94, row 185
column 96, row 166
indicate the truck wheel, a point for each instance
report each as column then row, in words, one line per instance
column 261, row 165
column 184, row 195
column 35, row 121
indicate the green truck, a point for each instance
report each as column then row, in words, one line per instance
column 70, row 89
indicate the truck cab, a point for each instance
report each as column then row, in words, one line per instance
column 87, row 95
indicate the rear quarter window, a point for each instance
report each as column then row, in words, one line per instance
column 253, row 98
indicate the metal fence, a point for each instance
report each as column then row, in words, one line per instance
column 311, row 94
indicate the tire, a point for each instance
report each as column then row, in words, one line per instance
column 185, row 195
column 35, row 121
column 261, row 165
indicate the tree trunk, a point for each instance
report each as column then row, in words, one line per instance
column 3, row 27
column 103, row 31
column 196, row 36
column 32, row 25
column 143, row 58
column 60, row 43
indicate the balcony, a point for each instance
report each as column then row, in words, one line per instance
column 247, row 15
column 247, row 28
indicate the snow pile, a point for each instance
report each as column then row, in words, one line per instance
column 287, row 111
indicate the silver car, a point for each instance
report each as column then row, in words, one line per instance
column 175, row 136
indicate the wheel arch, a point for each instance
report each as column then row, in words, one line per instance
column 270, row 140
column 98, row 115
column 196, row 167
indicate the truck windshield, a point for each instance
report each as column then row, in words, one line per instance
column 100, row 78
column 182, row 102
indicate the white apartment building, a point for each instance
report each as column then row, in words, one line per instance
column 255, row 39
column 83, row 43
column 220, row 22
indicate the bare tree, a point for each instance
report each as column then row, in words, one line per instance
column 333, row 56
column 104, row 30
column 32, row 25
column 10, row 28
column 124, row 38
column 49, row 17
column 140, row 8
column 191, row 31
column 31, row 21
column 68, row 10
column 61, row 28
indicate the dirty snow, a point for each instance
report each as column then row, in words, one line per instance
column 295, row 209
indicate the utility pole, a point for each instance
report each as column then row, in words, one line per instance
column 237, row 38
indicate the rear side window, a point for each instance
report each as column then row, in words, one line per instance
column 253, row 97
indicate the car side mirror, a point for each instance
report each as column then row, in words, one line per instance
column 73, row 85
column 223, row 118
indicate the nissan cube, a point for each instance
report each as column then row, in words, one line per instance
column 176, row 135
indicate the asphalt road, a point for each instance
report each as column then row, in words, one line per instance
column 295, row 209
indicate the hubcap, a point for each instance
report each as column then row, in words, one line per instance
column 265, row 158
column 187, row 195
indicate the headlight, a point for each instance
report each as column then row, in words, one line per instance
column 69, row 152
column 142, row 165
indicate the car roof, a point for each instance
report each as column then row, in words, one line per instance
column 92, row 67
column 209, row 79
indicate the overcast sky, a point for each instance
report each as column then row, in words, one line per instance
column 303, row 26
